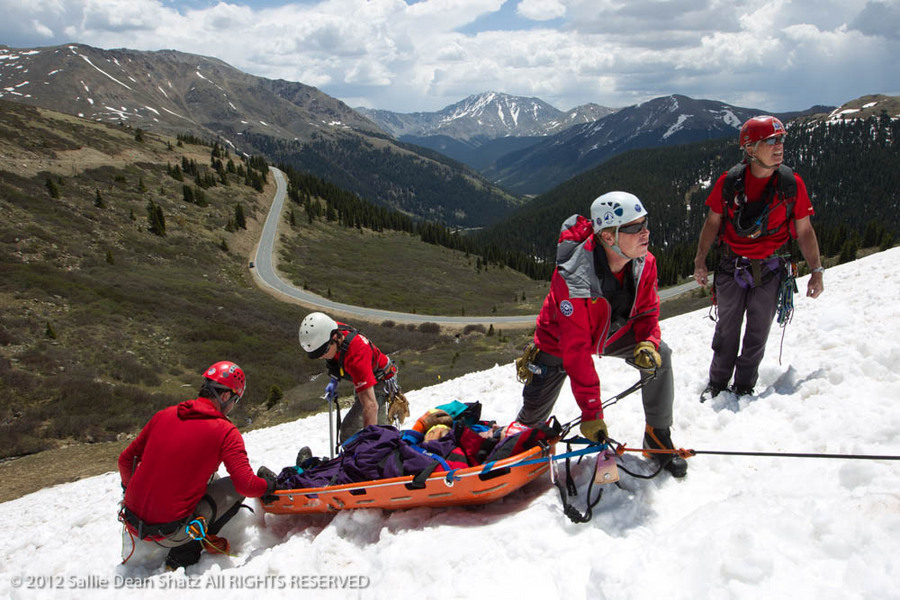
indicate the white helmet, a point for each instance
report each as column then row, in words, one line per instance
column 614, row 209
column 315, row 333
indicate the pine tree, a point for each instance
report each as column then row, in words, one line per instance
column 156, row 220
column 239, row 219
column 98, row 200
column 52, row 188
column 275, row 396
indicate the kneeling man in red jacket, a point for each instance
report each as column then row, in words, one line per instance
column 173, row 495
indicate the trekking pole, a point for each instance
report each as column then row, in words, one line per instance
column 630, row 390
column 330, row 427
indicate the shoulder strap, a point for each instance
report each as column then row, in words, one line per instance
column 787, row 188
column 335, row 366
column 733, row 185
column 349, row 333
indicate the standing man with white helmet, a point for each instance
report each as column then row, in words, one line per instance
column 603, row 300
column 350, row 355
column 755, row 208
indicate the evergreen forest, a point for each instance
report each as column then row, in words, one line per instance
column 851, row 169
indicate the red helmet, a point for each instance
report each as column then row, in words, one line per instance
column 760, row 128
column 227, row 375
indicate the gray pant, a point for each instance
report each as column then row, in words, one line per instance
column 352, row 422
column 218, row 506
column 539, row 396
column 733, row 300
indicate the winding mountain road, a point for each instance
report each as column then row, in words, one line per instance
column 266, row 276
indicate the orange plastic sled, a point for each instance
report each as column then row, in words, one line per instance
column 476, row 485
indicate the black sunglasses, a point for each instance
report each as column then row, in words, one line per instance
column 635, row 227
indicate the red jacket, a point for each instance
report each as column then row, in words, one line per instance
column 167, row 467
column 359, row 362
column 574, row 321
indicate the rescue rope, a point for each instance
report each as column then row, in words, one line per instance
column 785, row 302
column 683, row 453
column 121, row 517
column 791, row 454
column 133, row 544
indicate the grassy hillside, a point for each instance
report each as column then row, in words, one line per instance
column 103, row 322
column 397, row 271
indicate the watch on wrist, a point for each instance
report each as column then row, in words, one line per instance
column 818, row 270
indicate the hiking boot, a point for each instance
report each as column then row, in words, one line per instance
column 712, row 390
column 184, row 555
column 659, row 439
column 217, row 545
column 304, row 455
column 742, row 390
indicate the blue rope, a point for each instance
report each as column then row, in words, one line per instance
column 592, row 448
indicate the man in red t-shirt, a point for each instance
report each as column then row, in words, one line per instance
column 754, row 210
column 350, row 355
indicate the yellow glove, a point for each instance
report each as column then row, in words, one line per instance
column 646, row 356
column 594, row 430
column 398, row 409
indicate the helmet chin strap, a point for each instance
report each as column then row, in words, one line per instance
column 615, row 247
column 219, row 402
column 752, row 158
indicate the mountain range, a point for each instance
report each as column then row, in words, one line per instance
column 469, row 165
column 529, row 147
column 173, row 93
column 480, row 129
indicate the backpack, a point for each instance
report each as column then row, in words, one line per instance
column 752, row 219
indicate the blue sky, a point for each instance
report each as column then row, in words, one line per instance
column 407, row 56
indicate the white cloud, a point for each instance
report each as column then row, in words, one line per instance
column 778, row 54
column 541, row 10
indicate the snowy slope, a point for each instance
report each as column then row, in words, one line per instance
column 735, row 527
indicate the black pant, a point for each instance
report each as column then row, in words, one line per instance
column 539, row 396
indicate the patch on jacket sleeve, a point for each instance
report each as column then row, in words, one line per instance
column 566, row 308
